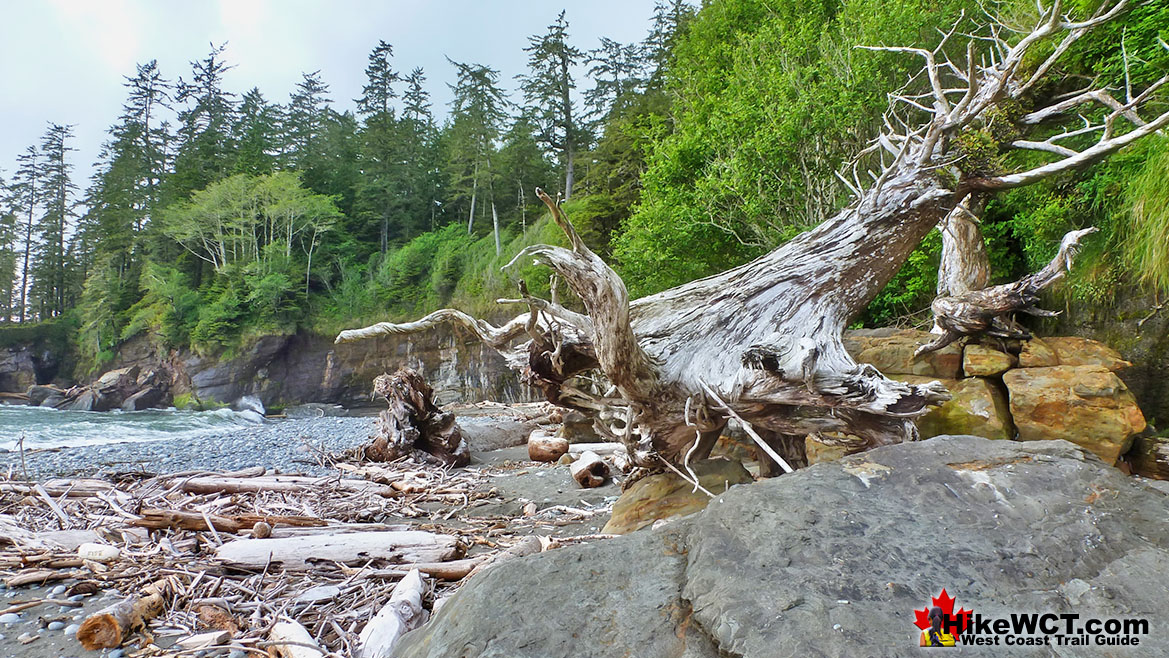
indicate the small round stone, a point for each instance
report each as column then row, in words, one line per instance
column 58, row 590
column 56, row 625
column 78, row 597
column 72, row 629
column 9, row 618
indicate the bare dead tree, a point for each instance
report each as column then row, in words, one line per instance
column 761, row 343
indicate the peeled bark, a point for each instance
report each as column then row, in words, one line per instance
column 762, row 342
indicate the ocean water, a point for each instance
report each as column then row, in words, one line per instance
column 51, row 428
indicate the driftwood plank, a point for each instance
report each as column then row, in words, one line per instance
column 289, row 639
column 402, row 613
column 358, row 548
column 156, row 519
column 213, row 484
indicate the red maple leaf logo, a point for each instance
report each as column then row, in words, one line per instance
column 946, row 603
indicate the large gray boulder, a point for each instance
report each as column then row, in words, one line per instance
column 833, row 561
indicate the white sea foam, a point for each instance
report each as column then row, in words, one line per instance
column 51, row 428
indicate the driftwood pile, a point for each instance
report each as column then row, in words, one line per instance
column 267, row 564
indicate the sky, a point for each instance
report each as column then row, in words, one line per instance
column 64, row 61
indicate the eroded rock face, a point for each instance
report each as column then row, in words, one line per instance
column 1076, row 351
column 830, row 446
column 17, row 370
column 982, row 361
column 891, row 352
column 978, row 407
column 1087, row 405
column 832, row 561
column 664, row 495
column 1036, row 353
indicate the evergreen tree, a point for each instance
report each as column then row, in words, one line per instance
column 257, row 131
column 205, row 146
column 49, row 259
column 420, row 154
column 668, row 23
column 416, row 100
column 26, row 194
column 9, row 245
column 523, row 166
column 477, row 114
column 548, row 92
column 617, row 71
column 379, row 88
column 308, row 111
column 149, row 94
column 379, row 193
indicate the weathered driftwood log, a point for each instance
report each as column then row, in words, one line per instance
column 615, row 453
column 157, row 519
column 964, row 264
column 37, row 577
column 280, row 484
column 414, row 423
column 203, row 640
column 544, row 447
column 107, row 628
column 452, row 570
column 985, row 311
column 402, row 613
column 589, row 470
column 358, row 548
column 288, row 639
column 764, row 339
column 79, row 488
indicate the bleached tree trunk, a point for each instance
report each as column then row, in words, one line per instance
column 474, row 196
column 964, row 265
column 762, row 342
column 495, row 228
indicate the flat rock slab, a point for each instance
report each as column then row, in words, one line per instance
column 833, row 560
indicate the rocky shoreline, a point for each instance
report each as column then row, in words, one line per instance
column 288, row 445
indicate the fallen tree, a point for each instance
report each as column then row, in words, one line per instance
column 761, row 343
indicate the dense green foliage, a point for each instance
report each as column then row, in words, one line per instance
column 215, row 217
column 771, row 98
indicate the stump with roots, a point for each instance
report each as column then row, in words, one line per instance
column 762, row 343
column 413, row 425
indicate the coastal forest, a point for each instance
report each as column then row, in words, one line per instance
column 216, row 215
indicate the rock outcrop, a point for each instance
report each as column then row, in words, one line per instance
column 833, row 560
column 1043, row 388
column 666, row 495
column 978, row 407
column 17, row 370
column 131, row 389
column 1087, row 405
column 982, row 361
column 891, row 352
